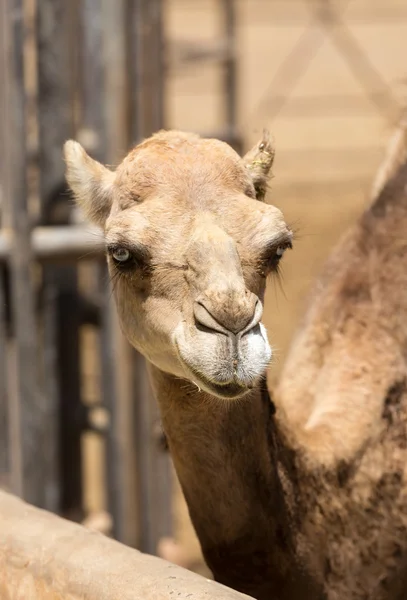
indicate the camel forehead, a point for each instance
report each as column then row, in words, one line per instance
column 156, row 224
column 178, row 164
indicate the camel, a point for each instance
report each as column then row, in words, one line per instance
column 302, row 497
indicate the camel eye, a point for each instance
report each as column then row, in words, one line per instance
column 125, row 259
column 121, row 255
column 273, row 257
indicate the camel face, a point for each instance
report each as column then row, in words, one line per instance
column 189, row 248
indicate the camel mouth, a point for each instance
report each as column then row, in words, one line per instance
column 235, row 380
column 231, row 390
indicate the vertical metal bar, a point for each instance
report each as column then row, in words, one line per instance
column 56, row 101
column 29, row 465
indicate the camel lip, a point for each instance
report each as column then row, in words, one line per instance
column 231, row 390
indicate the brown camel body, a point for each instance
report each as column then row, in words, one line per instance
column 310, row 502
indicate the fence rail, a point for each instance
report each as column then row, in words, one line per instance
column 43, row 557
column 57, row 243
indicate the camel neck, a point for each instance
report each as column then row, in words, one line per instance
column 224, row 453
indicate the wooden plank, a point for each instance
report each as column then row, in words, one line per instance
column 153, row 465
column 145, row 42
column 3, row 101
column 58, row 243
column 26, row 404
column 146, row 66
column 230, row 71
column 93, row 80
column 64, row 560
column 56, row 101
column 116, row 102
column 49, row 385
column 4, row 423
column 117, row 394
column 115, row 351
column 55, row 21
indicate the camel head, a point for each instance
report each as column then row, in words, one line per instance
column 190, row 243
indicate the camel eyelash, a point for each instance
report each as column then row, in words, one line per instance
column 125, row 258
column 276, row 252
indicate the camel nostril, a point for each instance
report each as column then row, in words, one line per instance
column 204, row 319
column 235, row 318
column 256, row 318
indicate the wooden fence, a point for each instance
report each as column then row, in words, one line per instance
column 43, row 557
column 93, row 70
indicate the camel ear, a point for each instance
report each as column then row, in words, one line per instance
column 258, row 161
column 91, row 183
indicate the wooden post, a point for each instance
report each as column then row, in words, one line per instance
column 145, row 64
column 116, row 353
column 4, row 422
column 27, row 406
column 56, row 29
column 230, row 74
column 93, row 80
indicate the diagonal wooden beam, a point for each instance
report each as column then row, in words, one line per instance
column 44, row 557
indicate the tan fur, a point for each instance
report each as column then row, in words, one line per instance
column 310, row 504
